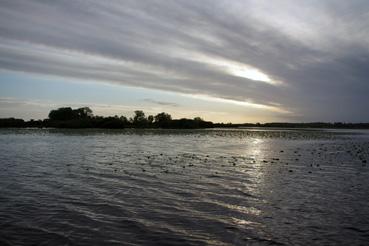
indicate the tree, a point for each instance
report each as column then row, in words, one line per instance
column 124, row 120
column 84, row 112
column 67, row 113
column 139, row 119
column 61, row 114
column 163, row 119
column 150, row 119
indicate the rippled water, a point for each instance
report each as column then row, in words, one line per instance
column 202, row 187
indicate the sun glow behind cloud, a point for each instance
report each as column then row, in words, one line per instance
column 250, row 73
column 239, row 103
column 233, row 68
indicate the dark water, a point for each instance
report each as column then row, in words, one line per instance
column 205, row 187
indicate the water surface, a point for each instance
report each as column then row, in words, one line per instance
column 184, row 187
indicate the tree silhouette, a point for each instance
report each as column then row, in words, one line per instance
column 61, row 114
column 150, row 119
column 67, row 113
column 163, row 120
column 66, row 117
column 139, row 119
column 84, row 112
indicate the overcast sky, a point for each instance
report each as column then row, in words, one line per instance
column 224, row 60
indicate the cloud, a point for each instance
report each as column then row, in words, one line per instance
column 162, row 103
column 309, row 58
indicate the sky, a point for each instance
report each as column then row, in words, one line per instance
column 223, row 60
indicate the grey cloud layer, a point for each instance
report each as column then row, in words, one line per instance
column 163, row 103
column 319, row 50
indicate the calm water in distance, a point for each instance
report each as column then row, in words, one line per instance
column 184, row 187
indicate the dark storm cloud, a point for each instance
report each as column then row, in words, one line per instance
column 318, row 51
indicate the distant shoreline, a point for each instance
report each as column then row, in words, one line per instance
column 83, row 118
column 46, row 124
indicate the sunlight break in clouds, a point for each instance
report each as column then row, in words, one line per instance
column 250, row 73
column 228, row 66
column 239, row 103
column 237, row 69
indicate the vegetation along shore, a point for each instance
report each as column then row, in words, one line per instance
column 67, row 117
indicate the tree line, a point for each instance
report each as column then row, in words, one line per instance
column 67, row 117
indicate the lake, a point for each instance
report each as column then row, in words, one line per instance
column 184, row 187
